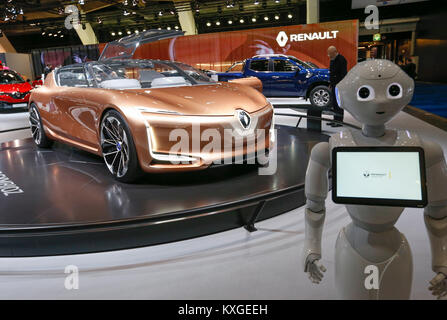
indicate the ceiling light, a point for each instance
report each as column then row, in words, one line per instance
column 159, row 28
column 176, row 27
column 128, row 32
column 43, row 33
column 230, row 21
column 62, row 35
column 289, row 16
column 208, row 24
column 169, row 28
column 125, row 2
column 126, row 13
column 160, row 13
column 50, row 34
column 120, row 33
column 241, row 20
column 137, row 32
column 135, row 3
column 112, row 33
column 217, row 23
column 21, row 11
column 253, row 19
column 276, row 17
column 256, row 2
column 81, row 2
column 277, row 1
column 266, row 18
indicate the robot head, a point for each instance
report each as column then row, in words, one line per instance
column 374, row 91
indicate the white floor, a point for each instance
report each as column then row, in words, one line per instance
column 228, row 265
column 12, row 124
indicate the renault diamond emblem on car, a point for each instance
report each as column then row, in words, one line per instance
column 244, row 118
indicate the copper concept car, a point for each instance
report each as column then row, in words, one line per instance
column 134, row 113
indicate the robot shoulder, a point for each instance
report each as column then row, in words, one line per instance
column 341, row 139
column 433, row 153
column 321, row 154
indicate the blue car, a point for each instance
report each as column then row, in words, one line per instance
column 284, row 76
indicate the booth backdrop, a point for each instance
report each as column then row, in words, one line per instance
column 218, row 51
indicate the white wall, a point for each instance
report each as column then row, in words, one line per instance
column 20, row 62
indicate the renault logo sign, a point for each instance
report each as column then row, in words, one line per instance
column 282, row 38
column 244, row 118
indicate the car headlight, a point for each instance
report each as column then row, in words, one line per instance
column 272, row 130
column 159, row 111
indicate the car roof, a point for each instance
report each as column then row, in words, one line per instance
column 274, row 55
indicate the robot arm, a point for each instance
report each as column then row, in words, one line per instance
column 316, row 189
column 435, row 215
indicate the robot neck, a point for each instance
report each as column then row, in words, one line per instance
column 373, row 131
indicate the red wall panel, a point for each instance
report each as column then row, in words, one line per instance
column 218, row 51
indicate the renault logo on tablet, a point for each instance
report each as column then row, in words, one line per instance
column 244, row 118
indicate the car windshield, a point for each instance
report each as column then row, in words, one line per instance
column 145, row 74
column 301, row 63
column 10, row 77
column 236, row 67
column 194, row 73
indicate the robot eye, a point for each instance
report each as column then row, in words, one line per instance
column 365, row 93
column 394, row 91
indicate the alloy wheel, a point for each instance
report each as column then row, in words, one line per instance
column 36, row 128
column 321, row 98
column 115, row 146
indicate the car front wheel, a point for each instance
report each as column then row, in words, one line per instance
column 37, row 131
column 320, row 97
column 118, row 148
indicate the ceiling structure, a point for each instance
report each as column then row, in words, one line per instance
column 112, row 19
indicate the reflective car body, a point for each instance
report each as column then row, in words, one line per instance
column 154, row 98
column 283, row 76
column 14, row 91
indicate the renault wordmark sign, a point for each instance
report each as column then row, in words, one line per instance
column 282, row 38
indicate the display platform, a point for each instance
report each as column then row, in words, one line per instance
column 63, row 200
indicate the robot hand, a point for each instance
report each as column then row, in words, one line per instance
column 314, row 268
column 438, row 286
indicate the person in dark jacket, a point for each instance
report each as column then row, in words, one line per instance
column 338, row 70
column 410, row 68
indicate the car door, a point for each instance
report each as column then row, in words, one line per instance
column 260, row 68
column 72, row 116
column 284, row 78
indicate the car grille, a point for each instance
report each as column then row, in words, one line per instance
column 15, row 95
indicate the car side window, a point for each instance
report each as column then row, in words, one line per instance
column 283, row 65
column 259, row 65
column 74, row 77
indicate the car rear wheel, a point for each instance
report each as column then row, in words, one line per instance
column 320, row 97
column 118, row 148
column 37, row 130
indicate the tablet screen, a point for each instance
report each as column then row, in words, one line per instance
column 393, row 176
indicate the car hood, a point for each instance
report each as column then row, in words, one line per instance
column 213, row 100
column 320, row 71
column 21, row 87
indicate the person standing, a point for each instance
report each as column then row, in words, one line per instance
column 410, row 68
column 338, row 70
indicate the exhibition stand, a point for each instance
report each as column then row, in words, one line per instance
column 64, row 201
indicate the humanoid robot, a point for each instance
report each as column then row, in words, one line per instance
column 374, row 91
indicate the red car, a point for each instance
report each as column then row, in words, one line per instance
column 14, row 91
